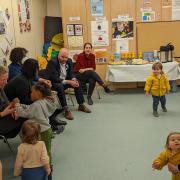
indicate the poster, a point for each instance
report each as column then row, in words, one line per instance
column 78, row 29
column 122, row 28
column 97, row 7
column 70, row 30
column 175, row 9
column 101, row 55
column 75, row 41
column 148, row 16
column 24, row 15
column 74, row 29
column 122, row 45
column 100, row 33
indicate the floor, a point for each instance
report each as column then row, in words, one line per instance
column 118, row 140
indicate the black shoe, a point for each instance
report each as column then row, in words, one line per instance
column 58, row 129
column 90, row 102
column 107, row 90
column 155, row 113
column 164, row 109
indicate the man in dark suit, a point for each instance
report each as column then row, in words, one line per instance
column 60, row 72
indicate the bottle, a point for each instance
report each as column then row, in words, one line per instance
column 140, row 55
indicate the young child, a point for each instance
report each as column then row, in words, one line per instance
column 170, row 155
column 32, row 161
column 40, row 110
column 157, row 85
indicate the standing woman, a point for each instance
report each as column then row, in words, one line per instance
column 9, row 127
column 85, row 71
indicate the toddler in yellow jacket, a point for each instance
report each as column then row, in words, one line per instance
column 157, row 85
column 170, row 155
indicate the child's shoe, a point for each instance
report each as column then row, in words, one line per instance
column 164, row 109
column 155, row 113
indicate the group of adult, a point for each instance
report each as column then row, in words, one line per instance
column 61, row 73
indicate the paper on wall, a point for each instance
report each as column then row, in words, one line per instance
column 75, row 41
column 122, row 45
column 175, row 9
column 100, row 33
column 75, row 18
column 97, row 7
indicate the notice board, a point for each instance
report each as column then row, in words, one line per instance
column 150, row 36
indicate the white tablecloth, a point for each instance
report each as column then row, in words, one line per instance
column 139, row 73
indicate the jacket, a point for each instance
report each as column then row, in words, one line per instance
column 167, row 157
column 157, row 87
column 84, row 62
column 39, row 110
column 53, row 70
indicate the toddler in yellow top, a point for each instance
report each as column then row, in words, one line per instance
column 157, row 85
column 170, row 155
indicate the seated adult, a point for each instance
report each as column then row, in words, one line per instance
column 60, row 72
column 17, row 58
column 20, row 86
column 9, row 127
column 85, row 71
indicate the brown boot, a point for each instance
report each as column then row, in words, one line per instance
column 68, row 115
column 83, row 108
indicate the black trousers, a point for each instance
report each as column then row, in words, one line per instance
column 10, row 127
column 90, row 77
column 60, row 88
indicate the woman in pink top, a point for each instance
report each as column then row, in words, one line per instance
column 32, row 161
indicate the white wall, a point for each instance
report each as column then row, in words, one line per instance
column 32, row 41
column 53, row 8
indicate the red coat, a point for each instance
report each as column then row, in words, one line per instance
column 83, row 62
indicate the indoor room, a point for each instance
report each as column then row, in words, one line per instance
column 89, row 89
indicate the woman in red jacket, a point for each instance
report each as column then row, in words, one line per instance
column 85, row 71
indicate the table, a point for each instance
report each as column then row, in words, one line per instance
column 139, row 73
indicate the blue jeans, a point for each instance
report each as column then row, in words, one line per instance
column 156, row 100
column 38, row 173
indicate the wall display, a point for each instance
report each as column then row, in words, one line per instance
column 101, row 55
column 76, row 18
column 97, row 7
column 24, row 15
column 175, row 9
column 70, row 30
column 75, row 41
column 78, row 29
column 100, row 33
column 148, row 16
column 122, row 45
column 122, row 28
column 74, row 29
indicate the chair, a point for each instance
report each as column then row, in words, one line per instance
column 70, row 92
column 6, row 141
